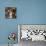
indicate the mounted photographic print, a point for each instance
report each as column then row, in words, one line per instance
column 10, row 12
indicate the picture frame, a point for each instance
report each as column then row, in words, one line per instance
column 10, row 13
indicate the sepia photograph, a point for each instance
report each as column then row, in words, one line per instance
column 10, row 12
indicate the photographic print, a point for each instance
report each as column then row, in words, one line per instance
column 10, row 12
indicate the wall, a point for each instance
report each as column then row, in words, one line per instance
column 28, row 12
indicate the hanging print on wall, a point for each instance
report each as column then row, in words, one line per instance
column 10, row 12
